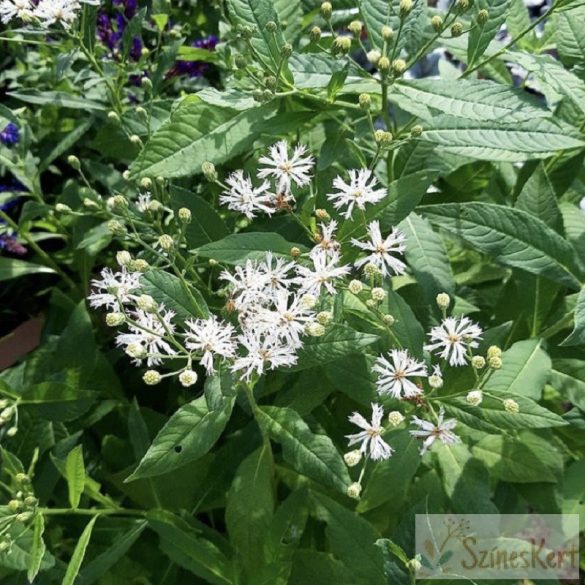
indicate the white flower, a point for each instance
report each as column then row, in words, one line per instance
column 430, row 432
column 277, row 270
column 360, row 190
column 242, row 196
column 10, row 9
column 436, row 378
column 148, row 333
column 264, row 353
column 249, row 285
column 114, row 289
column 382, row 249
column 212, row 337
column 370, row 436
column 285, row 169
column 143, row 202
column 394, row 374
column 325, row 271
column 64, row 12
column 452, row 338
column 327, row 242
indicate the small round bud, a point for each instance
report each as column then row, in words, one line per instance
column 388, row 320
column 119, row 203
column 90, row 203
column 126, row 175
column 240, row 61
column 482, row 17
column 371, row 303
column 62, row 208
column 212, row 262
column 286, row 50
column 371, row 270
column 478, row 362
column 494, row 351
column 73, row 162
column 246, row 31
column 24, row 517
column 146, row 83
column 4, row 546
column 151, row 377
column 378, row 294
column 383, row 137
column 115, row 319
column 364, row 100
column 395, row 418
column 144, row 52
column 113, row 117
column 461, row 5
column 14, row 505
column 30, row 501
column 355, row 27
column 123, row 258
column 352, row 458
column 355, row 287
column 511, row 406
column 437, row 22
column 185, row 215
column 456, row 29
column 271, row 82
column 354, row 490
column 3, row 403
column 155, row 206
column 139, row 265
column 322, row 214
column 166, row 242
column 443, row 301
column 495, row 363
column 135, row 139
column 416, row 131
column 309, row 301
column 140, row 111
column 414, row 565
column 315, row 35
column 373, row 56
column 315, row 330
column 341, row 44
column 326, row 10
column 474, row 397
column 435, row 381
column 147, row 303
column 12, row 431
column 384, row 64
column 271, row 26
column 387, row 33
column 209, row 172
column 187, row 378
column 405, row 7
column 146, row 183
column 117, row 228
column 295, row 252
column 398, row 66
column 137, row 351
column 324, row 317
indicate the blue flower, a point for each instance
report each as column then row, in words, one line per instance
column 10, row 135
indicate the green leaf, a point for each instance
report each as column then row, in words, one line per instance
column 176, row 294
column 481, row 35
column 206, row 225
column 59, row 99
column 426, row 256
column 13, row 268
column 188, row 434
column 338, row 341
column 511, row 236
column 38, row 548
column 249, row 508
column 510, row 142
column 75, row 475
column 471, row 99
column 237, row 248
column 577, row 336
column 56, row 401
column 568, row 378
column 197, row 132
column 78, row 554
column 525, row 370
column 290, row 15
column 569, row 37
column 310, row 454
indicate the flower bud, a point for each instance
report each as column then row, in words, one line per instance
column 141, row 112
column 324, row 317
column 115, row 319
column 414, row 565
column 135, row 139
column 354, row 490
column 113, row 117
column 494, row 351
column 355, row 287
column 136, row 351
column 271, row 82
column 118, row 203
column 155, row 206
column 437, row 22
column 24, row 517
column 478, row 362
column 373, row 56
column 166, row 242
column 146, row 183
column 435, row 381
column 395, row 418
column 384, row 64
column 187, row 378
column 322, row 214
column 12, row 431
column 271, row 26
column 511, row 406
column 209, row 172
column 30, row 501
column 355, row 27
column 151, row 377
column 388, row 320
column 383, row 137
column 482, row 17
column 73, row 162
column 461, row 5
column 416, row 131
column 62, row 208
column 146, row 83
column 144, row 52
column 90, row 203
column 4, row 546
column 326, row 10
column 123, row 258
column 147, row 304
column 117, row 228
column 295, row 252
column 443, row 301
column 352, row 458
column 364, row 100
column 341, row 44
column 405, row 8
column 126, row 175
column 371, row 270
column 315, row 34
column 371, row 303
column 456, row 29
column 387, row 33
column 378, row 294
column 286, row 50
column 398, row 66
column 139, row 265
column 185, row 215
column 14, row 505
column 315, row 330
column 495, row 363
column 212, row 262
column 474, row 397
column 240, row 61
column 246, row 31
column 309, row 301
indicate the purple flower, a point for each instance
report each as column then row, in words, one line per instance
column 110, row 29
column 10, row 244
column 10, row 135
column 195, row 68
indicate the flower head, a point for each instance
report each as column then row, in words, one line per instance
column 22, row 9
column 394, row 374
column 114, row 289
column 212, row 337
column 10, row 135
column 370, row 437
column 361, row 189
column 324, row 273
column 242, row 196
column 453, row 337
column 327, row 242
column 382, row 250
column 287, row 169
column 430, row 432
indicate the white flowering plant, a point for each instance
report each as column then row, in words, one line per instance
column 303, row 270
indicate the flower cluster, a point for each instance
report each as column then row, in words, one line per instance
column 43, row 13
column 110, row 29
column 10, row 134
